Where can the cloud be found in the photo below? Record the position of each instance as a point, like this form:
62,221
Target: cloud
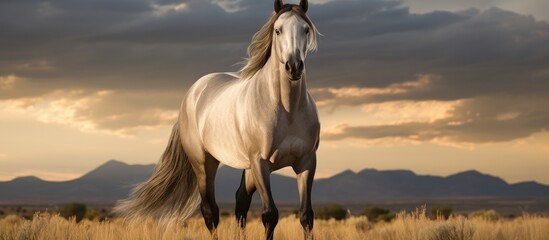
333,97
7,82
371,55
120,113
365,43
231,6
538,8
398,112
42,174
161,10
478,120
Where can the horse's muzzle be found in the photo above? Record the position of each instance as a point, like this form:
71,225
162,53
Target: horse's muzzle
294,69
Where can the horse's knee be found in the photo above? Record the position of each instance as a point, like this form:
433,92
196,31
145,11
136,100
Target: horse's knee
270,217
307,219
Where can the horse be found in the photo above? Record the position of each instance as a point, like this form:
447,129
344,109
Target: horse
259,120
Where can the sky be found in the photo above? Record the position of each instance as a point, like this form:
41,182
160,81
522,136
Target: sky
434,86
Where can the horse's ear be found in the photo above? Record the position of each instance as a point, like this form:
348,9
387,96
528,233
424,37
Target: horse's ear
304,5
278,5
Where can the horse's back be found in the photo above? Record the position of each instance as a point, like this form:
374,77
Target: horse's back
212,84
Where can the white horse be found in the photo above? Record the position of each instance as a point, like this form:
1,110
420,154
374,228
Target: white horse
260,121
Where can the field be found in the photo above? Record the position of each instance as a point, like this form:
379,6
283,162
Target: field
415,225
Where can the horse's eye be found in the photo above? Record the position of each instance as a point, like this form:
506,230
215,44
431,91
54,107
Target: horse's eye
307,31
277,32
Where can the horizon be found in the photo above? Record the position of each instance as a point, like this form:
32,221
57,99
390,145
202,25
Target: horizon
275,172
436,87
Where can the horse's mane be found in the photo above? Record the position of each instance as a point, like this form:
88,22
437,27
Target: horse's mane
259,50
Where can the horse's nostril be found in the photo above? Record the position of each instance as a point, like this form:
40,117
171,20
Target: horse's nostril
300,65
287,65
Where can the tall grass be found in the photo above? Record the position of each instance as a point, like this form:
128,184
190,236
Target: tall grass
405,226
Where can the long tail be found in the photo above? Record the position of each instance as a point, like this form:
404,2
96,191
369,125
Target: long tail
171,194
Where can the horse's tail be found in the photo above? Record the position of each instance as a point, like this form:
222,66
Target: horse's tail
171,193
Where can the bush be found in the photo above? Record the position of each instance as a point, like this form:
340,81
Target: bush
76,210
375,214
448,230
331,211
91,214
489,215
361,223
440,211
12,220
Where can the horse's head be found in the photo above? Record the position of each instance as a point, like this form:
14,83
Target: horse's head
288,36
293,36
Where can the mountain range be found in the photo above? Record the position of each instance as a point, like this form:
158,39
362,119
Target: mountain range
114,179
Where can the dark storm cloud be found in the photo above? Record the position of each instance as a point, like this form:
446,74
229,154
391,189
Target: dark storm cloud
154,46
364,42
101,45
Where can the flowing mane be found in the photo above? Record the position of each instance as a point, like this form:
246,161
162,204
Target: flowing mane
259,50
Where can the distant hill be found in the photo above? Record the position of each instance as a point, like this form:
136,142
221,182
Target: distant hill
107,183
113,180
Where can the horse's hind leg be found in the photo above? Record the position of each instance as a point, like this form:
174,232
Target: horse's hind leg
205,175
244,197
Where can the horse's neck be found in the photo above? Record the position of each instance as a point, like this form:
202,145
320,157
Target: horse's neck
275,86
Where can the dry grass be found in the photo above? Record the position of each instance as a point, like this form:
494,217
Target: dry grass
405,226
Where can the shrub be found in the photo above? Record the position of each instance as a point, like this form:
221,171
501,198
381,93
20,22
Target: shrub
489,215
440,211
91,214
76,210
375,214
12,220
448,230
361,223
331,211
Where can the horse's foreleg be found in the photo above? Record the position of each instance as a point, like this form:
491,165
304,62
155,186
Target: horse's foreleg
261,172
305,170
244,197
206,180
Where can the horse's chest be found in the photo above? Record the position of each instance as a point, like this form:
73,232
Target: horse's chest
288,151
292,140
291,143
